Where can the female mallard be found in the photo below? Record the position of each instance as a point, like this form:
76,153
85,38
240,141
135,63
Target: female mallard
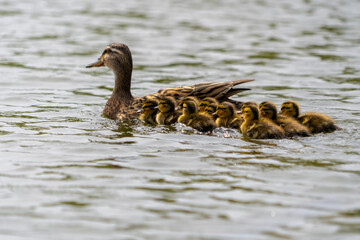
227,116
254,127
167,114
291,127
191,118
122,105
315,122
148,111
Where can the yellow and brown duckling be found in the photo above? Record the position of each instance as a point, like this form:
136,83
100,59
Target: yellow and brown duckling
206,102
315,122
211,111
227,116
249,103
254,127
167,114
148,111
122,105
291,127
246,104
192,118
186,99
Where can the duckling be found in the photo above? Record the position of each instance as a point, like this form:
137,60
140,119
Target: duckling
227,116
315,122
167,114
188,98
211,111
206,102
192,118
149,111
122,105
289,125
254,127
249,103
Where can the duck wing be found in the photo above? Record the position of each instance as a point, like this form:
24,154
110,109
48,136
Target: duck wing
219,90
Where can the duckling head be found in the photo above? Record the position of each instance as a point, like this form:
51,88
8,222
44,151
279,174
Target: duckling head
211,109
149,107
290,109
225,110
167,104
206,102
250,113
249,103
189,107
268,110
186,99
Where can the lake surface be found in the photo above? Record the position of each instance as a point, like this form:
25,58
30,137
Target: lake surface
66,172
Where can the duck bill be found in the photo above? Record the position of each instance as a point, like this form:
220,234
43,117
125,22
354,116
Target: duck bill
99,63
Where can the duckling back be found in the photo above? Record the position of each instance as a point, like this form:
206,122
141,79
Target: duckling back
292,128
264,129
318,122
202,123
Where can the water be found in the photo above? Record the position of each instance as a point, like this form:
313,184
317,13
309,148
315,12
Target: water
67,172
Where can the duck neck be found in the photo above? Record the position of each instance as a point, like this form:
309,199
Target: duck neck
121,95
122,86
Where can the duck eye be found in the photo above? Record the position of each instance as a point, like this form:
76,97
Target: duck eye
108,50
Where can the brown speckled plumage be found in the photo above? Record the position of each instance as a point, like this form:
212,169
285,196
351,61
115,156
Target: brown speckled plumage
122,105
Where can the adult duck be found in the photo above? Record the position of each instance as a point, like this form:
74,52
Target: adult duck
122,105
